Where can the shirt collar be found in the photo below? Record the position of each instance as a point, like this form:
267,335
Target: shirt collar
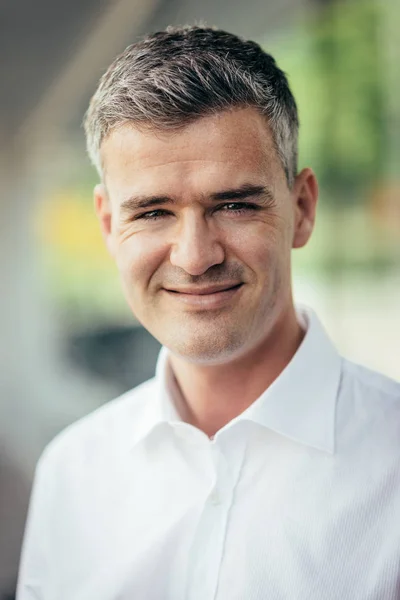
159,409
300,404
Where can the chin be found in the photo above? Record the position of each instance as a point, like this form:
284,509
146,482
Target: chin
207,349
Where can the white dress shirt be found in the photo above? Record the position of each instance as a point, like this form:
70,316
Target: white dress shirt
298,498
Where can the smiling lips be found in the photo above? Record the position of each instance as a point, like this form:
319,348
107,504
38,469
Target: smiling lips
214,296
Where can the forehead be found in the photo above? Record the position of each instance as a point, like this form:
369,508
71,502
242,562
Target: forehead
226,148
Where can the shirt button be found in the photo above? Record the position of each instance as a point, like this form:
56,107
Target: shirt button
214,498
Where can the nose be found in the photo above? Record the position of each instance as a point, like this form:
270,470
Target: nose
196,247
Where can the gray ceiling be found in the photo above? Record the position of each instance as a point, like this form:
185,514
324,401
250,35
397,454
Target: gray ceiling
38,37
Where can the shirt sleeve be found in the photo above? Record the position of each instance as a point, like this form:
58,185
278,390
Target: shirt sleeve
33,564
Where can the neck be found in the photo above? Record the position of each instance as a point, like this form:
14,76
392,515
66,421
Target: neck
211,396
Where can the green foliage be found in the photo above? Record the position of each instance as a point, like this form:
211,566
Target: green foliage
342,65
336,65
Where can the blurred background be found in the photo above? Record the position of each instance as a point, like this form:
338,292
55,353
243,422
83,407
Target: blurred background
68,343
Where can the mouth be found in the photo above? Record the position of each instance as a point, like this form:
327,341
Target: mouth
210,297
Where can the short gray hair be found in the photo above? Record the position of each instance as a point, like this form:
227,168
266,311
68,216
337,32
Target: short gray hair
176,76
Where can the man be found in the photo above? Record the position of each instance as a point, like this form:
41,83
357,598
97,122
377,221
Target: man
257,464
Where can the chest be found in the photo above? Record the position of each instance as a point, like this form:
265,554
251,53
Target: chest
212,524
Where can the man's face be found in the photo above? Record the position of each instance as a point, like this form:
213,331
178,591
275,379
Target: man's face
201,224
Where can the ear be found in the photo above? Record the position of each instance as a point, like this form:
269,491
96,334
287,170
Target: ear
305,197
102,208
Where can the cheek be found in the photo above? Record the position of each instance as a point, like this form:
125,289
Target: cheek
258,249
267,254
137,257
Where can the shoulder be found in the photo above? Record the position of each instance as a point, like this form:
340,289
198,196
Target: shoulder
369,408
107,430
372,384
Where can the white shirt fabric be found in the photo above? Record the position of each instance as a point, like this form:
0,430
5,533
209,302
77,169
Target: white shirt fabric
298,498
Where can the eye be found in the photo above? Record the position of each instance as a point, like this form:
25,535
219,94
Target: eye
152,215
238,207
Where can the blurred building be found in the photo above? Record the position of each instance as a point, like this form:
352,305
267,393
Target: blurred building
68,343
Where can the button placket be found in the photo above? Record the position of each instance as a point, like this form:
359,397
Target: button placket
208,543
222,491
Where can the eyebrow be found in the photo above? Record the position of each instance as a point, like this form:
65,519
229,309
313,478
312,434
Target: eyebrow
241,193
